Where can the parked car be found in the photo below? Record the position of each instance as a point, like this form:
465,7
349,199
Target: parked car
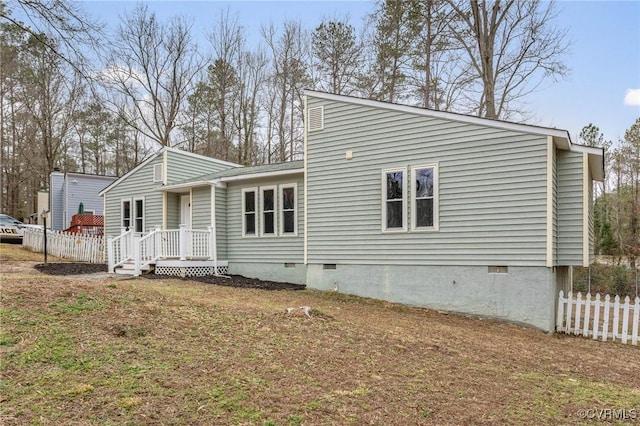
12,230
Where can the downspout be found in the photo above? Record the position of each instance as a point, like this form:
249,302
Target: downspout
304,154
214,231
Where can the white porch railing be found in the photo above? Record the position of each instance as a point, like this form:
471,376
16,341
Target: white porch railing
158,244
119,249
608,318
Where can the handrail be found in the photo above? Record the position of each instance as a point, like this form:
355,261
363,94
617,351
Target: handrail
146,249
119,249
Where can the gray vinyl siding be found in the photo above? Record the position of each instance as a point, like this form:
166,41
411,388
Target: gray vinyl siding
555,207
570,214
173,210
221,222
263,249
137,185
186,165
201,215
492,190
591,231
201,207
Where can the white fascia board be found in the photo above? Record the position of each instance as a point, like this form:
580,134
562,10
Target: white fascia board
194,155
185,185
470,119
596,160
262,175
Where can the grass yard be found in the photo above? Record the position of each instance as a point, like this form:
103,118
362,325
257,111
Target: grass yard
95,351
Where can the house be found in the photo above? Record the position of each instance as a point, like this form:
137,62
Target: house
68,190
392,202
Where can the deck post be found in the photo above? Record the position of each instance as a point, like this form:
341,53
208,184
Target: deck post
213,249
183,241
157,246
110,255
136,255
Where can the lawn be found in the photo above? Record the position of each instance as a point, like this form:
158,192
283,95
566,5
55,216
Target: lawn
84,351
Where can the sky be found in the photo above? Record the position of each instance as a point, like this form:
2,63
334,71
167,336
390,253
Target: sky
603,87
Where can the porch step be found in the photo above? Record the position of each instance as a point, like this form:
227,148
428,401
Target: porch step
127,268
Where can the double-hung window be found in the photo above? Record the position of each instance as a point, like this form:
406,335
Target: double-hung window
268,206
394,200
126,214
424,197
138,212
421,204
249,204
288,212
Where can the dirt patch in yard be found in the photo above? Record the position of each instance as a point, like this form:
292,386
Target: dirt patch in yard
79,351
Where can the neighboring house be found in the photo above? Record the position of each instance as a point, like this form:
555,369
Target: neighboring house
68,190
393,202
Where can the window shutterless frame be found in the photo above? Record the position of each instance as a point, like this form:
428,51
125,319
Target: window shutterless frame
268,211
424,197
288,194
138,215
125,213
394,200
249,212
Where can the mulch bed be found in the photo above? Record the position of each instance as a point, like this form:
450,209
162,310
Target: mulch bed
70,268
236,281
78,268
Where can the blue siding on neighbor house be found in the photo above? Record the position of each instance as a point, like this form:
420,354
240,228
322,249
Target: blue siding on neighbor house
492,189
56,201
68,190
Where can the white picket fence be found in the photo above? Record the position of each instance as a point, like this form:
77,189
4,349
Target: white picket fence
604,318
69,246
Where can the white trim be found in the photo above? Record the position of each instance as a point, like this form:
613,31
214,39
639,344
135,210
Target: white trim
253,189
224,180
213,206
165,167
281,187
585,209
436,203
505,125
273,188
549,245
262,175
383,198
305,250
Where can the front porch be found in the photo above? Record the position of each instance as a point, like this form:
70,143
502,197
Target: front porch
179,252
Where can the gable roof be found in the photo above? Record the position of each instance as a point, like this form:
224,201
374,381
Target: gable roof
159,153
561,137
244,173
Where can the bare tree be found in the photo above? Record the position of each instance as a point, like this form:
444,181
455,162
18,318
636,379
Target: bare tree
154,66
62,27
289,61
512,46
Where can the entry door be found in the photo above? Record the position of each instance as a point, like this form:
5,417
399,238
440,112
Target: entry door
185,210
